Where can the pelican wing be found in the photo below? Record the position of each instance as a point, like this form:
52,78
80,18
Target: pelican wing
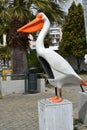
58,63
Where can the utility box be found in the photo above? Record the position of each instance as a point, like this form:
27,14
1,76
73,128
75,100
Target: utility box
55,116
41,85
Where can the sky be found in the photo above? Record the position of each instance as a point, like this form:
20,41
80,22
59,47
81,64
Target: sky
78,1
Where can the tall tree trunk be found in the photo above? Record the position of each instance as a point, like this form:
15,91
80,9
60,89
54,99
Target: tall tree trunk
19,60
18,43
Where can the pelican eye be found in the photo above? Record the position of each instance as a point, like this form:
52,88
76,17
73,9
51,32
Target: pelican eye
39,16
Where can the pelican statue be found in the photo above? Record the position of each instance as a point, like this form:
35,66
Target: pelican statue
59,71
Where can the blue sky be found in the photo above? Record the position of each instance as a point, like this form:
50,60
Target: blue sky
79,1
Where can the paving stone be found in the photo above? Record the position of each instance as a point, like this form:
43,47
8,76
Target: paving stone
20,111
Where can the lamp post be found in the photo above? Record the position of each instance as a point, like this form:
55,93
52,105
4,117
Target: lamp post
85,19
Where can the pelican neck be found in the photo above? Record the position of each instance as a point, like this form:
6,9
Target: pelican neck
42,34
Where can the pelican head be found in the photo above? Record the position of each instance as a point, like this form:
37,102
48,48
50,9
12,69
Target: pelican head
35,25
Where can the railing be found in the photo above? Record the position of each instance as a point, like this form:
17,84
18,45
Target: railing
10,76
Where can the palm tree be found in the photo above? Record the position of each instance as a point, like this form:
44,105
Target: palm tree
19,12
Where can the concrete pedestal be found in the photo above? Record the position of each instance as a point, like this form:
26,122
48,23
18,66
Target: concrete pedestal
82,106
55,116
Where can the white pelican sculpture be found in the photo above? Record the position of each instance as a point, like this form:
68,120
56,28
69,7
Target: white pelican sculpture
57,68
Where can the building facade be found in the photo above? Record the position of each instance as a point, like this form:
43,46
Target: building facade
55,33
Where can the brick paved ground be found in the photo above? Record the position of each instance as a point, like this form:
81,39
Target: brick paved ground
20,112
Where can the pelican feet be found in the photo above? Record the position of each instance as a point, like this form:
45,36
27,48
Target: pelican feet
55,99
84,83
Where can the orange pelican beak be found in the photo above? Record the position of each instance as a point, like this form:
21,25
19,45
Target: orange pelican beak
33,26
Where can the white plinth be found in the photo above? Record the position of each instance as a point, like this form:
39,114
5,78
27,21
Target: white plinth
55,116
82,106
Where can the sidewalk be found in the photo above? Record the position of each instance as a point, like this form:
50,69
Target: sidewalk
20,111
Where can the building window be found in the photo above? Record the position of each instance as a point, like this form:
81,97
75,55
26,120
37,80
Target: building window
54,30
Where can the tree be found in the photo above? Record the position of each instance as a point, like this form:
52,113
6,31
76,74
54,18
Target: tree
33,61
73,40
20,13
